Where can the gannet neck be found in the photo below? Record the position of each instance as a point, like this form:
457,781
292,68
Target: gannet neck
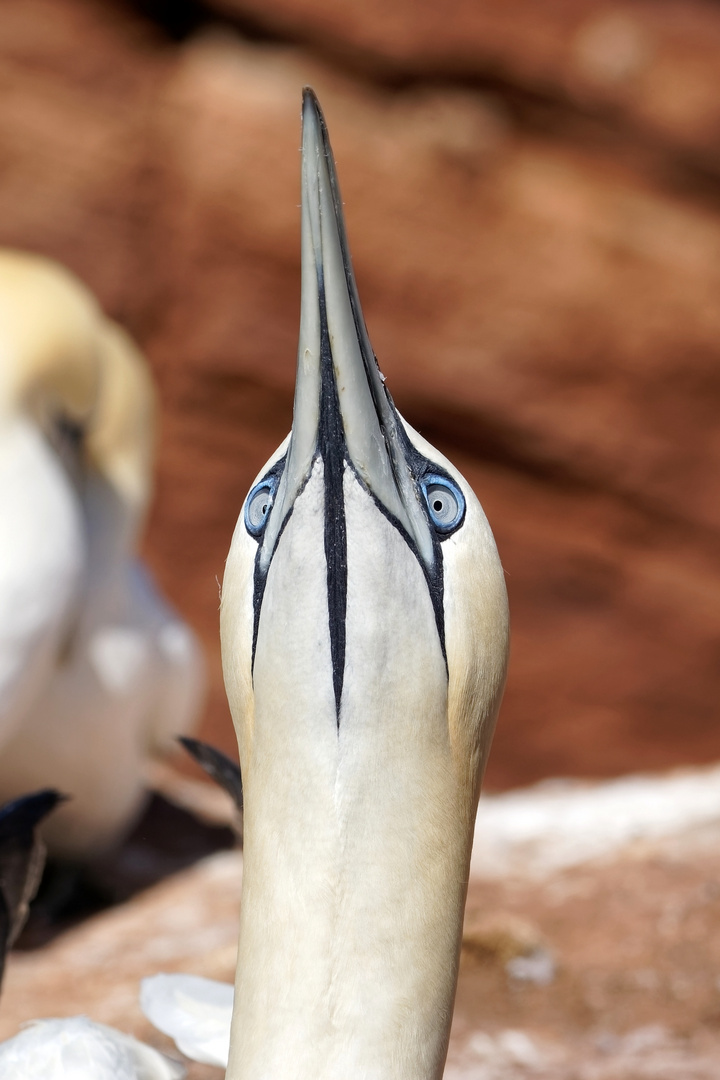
121,436
39,582
364,635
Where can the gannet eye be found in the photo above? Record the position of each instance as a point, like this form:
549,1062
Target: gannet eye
258,505
445,502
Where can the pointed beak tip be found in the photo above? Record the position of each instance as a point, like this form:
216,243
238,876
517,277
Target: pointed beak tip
311,112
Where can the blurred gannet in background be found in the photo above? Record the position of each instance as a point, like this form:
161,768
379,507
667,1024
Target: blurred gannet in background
364,632
97,673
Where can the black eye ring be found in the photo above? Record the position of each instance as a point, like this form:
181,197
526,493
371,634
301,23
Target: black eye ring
258,505
445,502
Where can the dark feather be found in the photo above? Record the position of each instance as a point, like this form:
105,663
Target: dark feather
22,857
219,766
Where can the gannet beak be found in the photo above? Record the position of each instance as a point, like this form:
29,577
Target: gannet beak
342,408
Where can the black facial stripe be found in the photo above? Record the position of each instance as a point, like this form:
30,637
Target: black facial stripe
331,445
419,465
331,448
260,575
434,577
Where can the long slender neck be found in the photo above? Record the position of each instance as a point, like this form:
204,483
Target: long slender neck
347,961
356,832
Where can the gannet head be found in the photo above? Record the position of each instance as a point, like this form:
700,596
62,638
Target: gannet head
49,323
359,545
77,379
364,635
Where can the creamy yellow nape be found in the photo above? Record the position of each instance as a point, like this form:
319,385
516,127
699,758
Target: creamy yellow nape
364,633
97,674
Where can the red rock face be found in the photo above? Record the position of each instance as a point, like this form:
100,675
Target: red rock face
539,269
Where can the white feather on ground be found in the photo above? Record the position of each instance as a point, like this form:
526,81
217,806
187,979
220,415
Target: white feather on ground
78,1049
193,1011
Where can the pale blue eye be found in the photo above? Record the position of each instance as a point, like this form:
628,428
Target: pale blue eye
258,505
445,502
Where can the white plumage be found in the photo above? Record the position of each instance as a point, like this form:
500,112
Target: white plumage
78,1049
97,673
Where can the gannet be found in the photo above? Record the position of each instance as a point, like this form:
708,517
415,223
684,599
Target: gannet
97,673
364,633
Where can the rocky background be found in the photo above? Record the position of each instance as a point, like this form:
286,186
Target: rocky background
533,202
